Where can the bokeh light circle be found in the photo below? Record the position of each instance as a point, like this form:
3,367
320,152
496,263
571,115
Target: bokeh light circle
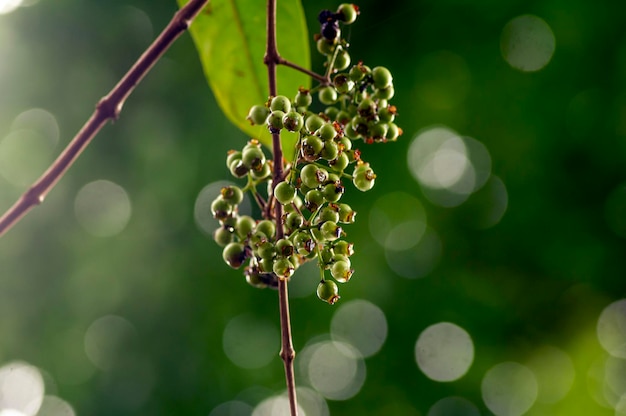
55,406
334,369
527,43
444,352
417,261
397,221
24,156
105,340
7,6
21,388
250,342
447,166
232,408
611,329
554,371
102,208
509,389
362,324
453,406
275,406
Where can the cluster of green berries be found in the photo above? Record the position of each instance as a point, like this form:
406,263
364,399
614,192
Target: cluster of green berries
313,184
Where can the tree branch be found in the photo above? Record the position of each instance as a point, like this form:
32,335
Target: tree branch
108,108
287,352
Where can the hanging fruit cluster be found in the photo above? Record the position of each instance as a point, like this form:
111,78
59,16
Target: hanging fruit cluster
356,101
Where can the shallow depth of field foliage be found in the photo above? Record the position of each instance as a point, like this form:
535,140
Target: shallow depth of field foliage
499,217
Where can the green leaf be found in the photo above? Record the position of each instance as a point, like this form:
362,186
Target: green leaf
230,36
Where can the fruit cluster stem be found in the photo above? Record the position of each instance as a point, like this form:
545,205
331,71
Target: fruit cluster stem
287,352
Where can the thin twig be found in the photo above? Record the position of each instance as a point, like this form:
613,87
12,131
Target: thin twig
287,352
322,79
108,108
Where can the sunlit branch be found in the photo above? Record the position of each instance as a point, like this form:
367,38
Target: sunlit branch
108,108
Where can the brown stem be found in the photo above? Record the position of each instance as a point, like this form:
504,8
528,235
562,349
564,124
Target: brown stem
287,352
108,108
322,79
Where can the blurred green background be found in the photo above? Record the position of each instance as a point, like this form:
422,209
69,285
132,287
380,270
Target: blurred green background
495,234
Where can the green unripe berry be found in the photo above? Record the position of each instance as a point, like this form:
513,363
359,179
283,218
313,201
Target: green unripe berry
258,114
265,249
284,193
350,133
313,122
253,157
358,72
367,108
392,132
221,209
245,226
293,121
330,231
303,98
266,265
333,191
283,268
254,279
284,247
346,214
359,124
330,150
313,176
238,169
232,194
341,271
386,114
313,200
327,95
328,213
348,12
378,131
262,172
343,84
223,236
232,156
382,77
343,117
325,47
385,93
234,255
280,103
342,60
344,248
331,113
311,147
363,177
275,121
267,227
293,221
327,132
340,163
328,291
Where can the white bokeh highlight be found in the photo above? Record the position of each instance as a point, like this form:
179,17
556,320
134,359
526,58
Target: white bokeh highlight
105,339
334,369
444,352
55,406
21,388
527,43
453,406
362,324
250,342
509,389
611,329
102,208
